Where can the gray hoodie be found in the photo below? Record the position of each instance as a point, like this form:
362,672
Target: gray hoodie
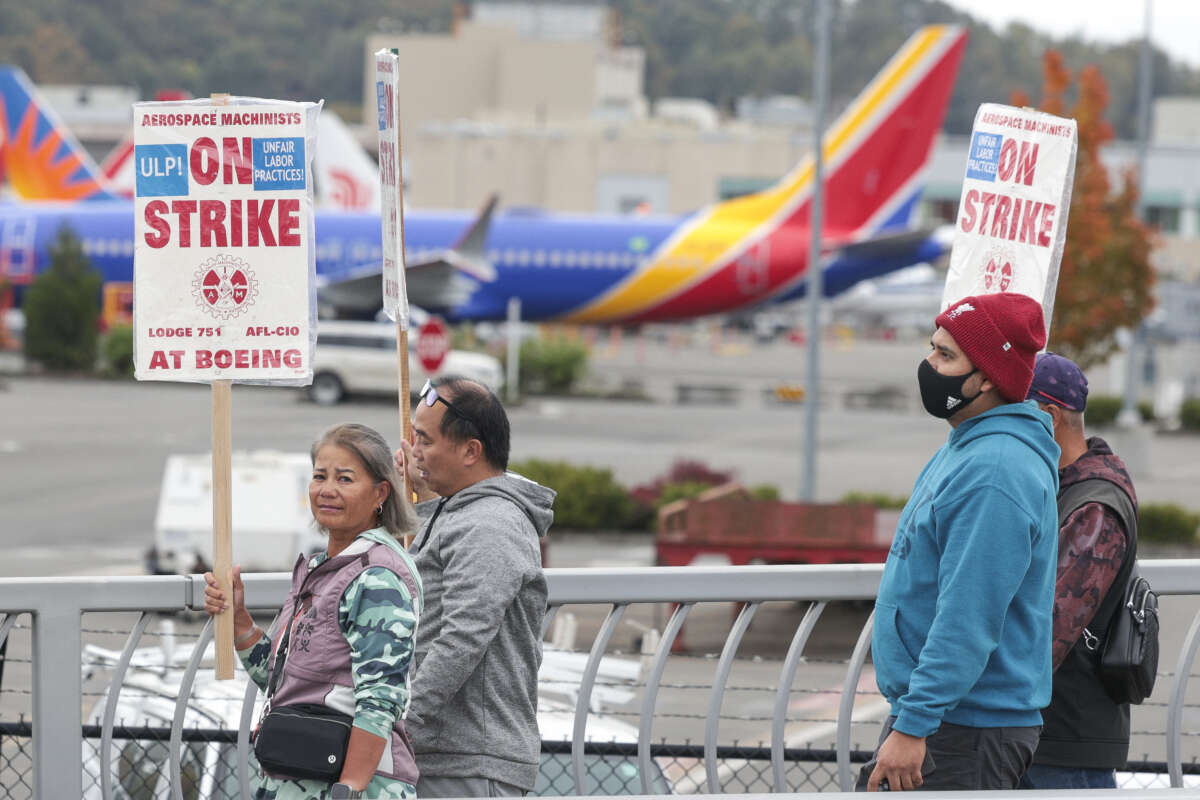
479,644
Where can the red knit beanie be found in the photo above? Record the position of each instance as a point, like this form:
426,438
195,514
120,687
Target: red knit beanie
1001,334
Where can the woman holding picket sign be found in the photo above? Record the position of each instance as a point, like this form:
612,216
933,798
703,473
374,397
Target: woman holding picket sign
335,667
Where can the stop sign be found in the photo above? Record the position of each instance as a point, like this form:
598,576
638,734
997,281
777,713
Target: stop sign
433,342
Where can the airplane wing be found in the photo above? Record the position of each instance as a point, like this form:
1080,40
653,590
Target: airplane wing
851,262
888,243
438,281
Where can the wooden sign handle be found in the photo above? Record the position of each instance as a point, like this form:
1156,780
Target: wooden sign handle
405,404
222,479
222,496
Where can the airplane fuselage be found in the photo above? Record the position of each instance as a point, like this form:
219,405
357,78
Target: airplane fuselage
526,248
555,263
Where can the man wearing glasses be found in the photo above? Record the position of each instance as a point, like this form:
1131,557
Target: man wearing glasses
473,718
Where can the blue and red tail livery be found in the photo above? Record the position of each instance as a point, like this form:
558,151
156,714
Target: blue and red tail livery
576,268
43,161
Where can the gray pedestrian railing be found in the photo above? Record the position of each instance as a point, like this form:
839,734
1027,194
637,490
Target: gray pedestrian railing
56,606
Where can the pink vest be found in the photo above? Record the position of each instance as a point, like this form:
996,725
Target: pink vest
317,667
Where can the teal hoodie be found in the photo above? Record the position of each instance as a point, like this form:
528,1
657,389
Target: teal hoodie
963,616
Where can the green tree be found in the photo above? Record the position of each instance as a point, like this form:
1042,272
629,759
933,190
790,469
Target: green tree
1105,281
62,307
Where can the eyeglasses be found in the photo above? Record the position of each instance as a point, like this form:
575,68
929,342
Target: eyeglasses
429,394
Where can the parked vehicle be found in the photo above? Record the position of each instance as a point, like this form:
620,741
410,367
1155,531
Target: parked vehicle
353,357
209,769
270,513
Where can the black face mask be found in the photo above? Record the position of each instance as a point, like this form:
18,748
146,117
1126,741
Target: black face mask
942,394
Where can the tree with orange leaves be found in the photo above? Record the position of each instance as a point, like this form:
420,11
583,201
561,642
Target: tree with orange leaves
1105,281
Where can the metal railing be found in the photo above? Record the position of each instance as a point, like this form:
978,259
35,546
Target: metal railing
56,606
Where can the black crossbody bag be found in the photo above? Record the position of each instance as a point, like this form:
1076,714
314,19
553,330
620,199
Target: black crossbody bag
1129,653
303,740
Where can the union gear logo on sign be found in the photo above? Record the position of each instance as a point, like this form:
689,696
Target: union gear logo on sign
224,286
998,274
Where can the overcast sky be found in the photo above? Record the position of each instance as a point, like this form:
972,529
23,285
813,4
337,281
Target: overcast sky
1174,27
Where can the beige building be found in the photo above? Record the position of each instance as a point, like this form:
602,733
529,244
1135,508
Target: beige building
535,103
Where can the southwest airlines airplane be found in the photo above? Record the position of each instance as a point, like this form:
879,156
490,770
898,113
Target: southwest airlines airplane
730,256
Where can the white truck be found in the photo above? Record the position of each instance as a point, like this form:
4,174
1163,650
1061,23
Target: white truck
272,522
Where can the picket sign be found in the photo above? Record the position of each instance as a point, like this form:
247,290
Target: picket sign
1012,216
391,186
224,267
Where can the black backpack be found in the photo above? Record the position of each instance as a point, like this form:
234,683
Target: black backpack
1127,652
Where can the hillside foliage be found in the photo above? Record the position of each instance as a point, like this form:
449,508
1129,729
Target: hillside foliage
713,49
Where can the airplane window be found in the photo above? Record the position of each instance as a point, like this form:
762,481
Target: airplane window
539,258
523,257
584,258
555,258
569,258
510,256
493,255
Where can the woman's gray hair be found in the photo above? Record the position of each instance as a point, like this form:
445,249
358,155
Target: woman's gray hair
397,516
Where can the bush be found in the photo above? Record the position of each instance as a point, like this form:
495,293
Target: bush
764,491
1167,523
877,499
1146,411
116,351
680,491
681,472
62,307
1189,414
552,365
588,498
1102,409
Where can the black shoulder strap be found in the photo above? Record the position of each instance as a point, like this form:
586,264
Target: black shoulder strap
419,542
1107,493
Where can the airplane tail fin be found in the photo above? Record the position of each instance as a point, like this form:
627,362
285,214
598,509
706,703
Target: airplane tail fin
347,178
877,151
754,248
43,159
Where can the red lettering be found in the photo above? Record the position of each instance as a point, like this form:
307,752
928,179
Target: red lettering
241,359
1047,223
1029,216
1016,219
988,200
1000,218
203,161
1026,163
223,359
270,359
1008,160
291,358
259,223
235,223
203,359
289,222
212,223
967,223
242,161
154,209
176,359
184,209
158,360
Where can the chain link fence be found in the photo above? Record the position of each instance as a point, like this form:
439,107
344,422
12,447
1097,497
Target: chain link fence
208,766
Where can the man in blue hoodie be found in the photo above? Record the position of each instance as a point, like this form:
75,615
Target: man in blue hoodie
962,626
